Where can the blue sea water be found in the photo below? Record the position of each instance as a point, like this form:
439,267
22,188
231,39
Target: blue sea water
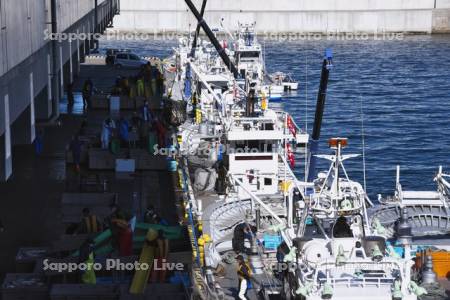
399,88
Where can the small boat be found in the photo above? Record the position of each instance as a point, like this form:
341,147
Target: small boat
285,80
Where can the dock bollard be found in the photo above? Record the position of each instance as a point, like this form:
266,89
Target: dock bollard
105,185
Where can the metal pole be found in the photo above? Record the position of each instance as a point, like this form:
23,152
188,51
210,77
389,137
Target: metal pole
55,85
197,30
320,107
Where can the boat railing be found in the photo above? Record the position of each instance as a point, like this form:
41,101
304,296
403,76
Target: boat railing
362,282
282,115
290,173
443,187
237,123
384,267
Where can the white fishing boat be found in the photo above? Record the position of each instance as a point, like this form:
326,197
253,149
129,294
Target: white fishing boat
337,254
426,213
236,167
285,80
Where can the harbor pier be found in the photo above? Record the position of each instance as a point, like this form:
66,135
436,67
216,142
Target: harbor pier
42,46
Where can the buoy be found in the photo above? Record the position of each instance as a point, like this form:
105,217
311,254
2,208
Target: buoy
207,238
264,102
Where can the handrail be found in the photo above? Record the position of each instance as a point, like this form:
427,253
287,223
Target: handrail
299,129
291,173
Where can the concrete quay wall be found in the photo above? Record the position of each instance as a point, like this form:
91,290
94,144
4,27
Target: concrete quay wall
324,16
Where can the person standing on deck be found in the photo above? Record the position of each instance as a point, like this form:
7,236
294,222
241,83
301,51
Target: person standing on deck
105,136
70,98
110,222
88,89
107,129
140,87
161,133
121,231
75,147
39,141
89,223
124,128
146,114
87,257
162,252
244,274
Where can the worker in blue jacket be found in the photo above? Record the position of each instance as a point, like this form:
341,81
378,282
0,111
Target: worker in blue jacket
124,128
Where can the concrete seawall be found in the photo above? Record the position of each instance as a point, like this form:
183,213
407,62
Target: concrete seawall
306,16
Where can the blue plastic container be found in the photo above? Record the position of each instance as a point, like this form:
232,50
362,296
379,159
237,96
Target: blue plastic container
172,165
272,241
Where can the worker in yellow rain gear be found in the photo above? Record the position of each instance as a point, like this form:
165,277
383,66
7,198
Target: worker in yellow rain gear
140,87
89,223
87,257
244,273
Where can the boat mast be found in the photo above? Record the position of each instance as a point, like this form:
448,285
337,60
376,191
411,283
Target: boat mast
225,58
197,30
320,106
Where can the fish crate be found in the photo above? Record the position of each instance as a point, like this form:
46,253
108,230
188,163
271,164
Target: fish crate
127,103
100,101
271,242
27,256
24,286
100,159
139,101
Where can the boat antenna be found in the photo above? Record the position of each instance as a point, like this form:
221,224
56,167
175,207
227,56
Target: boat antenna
264,54
306,112
306,92
226,29
363,143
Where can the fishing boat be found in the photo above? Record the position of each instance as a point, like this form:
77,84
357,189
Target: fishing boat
337,254
285,80
236,160
426,214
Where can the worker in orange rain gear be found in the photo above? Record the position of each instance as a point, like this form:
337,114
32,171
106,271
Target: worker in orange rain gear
162,252
89,223
244,273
